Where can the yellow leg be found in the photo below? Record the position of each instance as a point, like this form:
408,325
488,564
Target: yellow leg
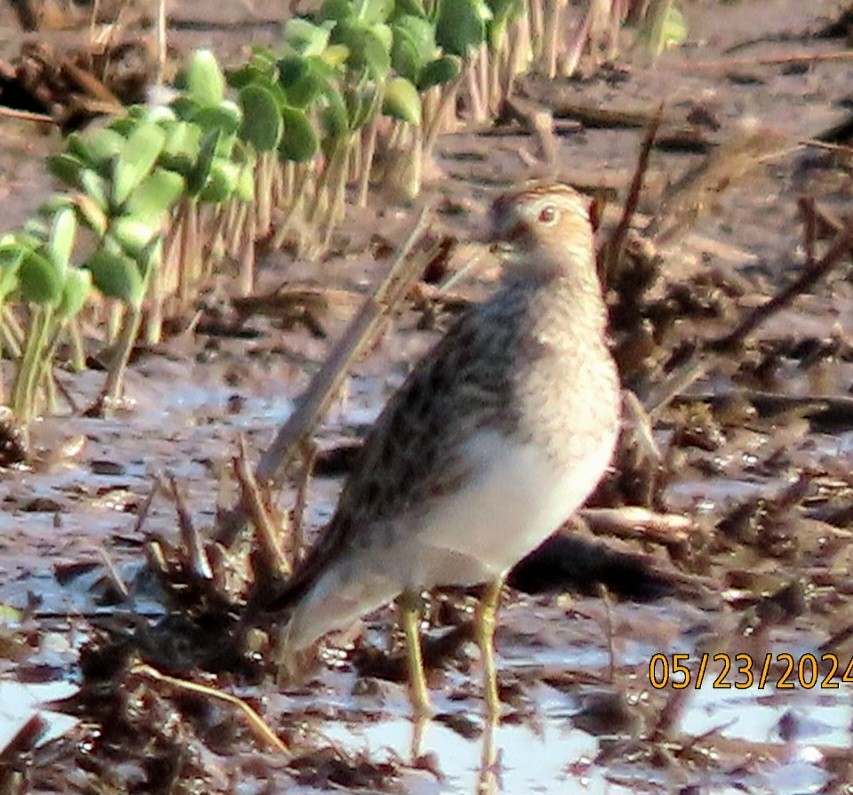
486,641
410,614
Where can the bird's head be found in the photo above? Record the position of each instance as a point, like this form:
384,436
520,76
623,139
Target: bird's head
543,221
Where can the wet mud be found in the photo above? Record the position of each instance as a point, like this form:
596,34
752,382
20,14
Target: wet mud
732,576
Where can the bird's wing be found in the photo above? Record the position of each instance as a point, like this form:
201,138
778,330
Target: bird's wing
415,451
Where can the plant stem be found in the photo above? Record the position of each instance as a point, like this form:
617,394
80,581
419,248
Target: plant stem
247,260
115,318
11,333
26,381
78,352
366,163
114,385
263,193
335,208
437,124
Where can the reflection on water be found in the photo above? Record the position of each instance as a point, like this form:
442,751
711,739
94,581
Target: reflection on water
762,715
509,758
549,755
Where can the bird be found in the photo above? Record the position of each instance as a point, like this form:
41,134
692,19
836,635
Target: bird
496,437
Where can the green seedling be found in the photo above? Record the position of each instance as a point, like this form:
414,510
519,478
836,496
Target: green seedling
37,266
461,26
136,160
203,79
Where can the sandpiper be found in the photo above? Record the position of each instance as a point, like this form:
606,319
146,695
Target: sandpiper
495,439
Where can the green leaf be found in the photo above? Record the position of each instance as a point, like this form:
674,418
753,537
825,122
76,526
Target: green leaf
291,70
303,79
125,125
54,204
413,45
246,183
368,11
674,28
415,7
334,114
504,13
36,230
11,256
663,27
95,187
150,259
262,124
103,146
91,214
222,183
132,234
136,160
359,104
203,78
22,239
156,195
77,146
368,50
304,37
225,145
117,276
63,234
182,147
10,615
39,280
259,68
384,34
185,107
78,283
299,142
334,56
336,11
402,101
164,115
404,58
66,168
197,177
375,11
461,26
226,117
440,71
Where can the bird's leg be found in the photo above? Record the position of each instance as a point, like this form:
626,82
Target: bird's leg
486,642
409,606
419,725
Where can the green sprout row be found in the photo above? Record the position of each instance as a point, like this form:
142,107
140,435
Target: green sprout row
163,198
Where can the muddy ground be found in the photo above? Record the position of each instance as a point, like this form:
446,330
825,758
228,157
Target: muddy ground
762,475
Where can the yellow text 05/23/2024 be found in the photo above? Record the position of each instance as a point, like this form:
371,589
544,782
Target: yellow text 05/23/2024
781,671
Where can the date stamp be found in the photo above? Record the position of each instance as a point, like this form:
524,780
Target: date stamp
741,671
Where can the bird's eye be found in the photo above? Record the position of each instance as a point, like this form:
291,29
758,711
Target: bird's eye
548,214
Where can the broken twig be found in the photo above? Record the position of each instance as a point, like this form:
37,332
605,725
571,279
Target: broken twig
256,722
320,393
255,508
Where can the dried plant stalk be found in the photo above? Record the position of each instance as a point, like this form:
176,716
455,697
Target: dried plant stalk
316,399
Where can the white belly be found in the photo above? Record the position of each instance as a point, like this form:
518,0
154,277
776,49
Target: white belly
518,498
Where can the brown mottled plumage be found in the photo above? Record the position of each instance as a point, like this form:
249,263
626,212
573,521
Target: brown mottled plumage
496,437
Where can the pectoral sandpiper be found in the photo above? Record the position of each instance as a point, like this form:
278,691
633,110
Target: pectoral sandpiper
497,436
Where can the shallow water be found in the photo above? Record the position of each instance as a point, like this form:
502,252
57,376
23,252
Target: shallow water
538,748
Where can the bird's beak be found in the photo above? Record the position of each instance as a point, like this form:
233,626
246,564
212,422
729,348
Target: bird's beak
506,237
501,248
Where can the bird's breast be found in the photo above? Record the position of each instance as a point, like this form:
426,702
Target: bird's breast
517,496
